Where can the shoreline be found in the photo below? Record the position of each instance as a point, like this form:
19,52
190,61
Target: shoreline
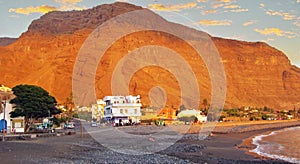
230,147
247,143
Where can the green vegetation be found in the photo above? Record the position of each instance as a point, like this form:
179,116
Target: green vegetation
58,121
69,106
32,102
85,115
255,113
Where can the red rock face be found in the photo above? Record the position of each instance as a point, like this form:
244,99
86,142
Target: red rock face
257,75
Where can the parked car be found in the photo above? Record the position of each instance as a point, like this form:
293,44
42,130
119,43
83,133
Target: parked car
94,124
70,126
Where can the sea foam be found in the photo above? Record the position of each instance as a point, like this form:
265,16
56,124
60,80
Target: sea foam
264,148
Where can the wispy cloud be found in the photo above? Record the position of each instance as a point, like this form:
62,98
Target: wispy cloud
268,40
64,5
217,5
231,7
202,0
284,15
297,23
14,16
224,6
205,12
177,7
69,4
275,31
224,1
249,23
215,22
28,10
239,10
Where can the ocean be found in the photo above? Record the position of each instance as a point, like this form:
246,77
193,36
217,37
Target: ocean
283,144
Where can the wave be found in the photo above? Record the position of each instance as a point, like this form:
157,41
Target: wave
263,147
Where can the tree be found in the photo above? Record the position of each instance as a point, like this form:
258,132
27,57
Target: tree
206,106
32,102
69,106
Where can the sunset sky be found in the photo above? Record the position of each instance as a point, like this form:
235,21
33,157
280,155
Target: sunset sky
276,22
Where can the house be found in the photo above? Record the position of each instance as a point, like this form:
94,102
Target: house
188,113
7,123
121,110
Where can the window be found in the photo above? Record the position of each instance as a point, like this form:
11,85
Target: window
126,111
135,111
121,111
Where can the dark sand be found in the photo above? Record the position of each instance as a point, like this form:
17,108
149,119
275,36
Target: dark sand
219,148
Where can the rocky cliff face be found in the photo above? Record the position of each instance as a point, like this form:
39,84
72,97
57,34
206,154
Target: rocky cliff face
257,75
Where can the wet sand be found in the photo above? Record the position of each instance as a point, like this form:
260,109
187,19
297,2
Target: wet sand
228,144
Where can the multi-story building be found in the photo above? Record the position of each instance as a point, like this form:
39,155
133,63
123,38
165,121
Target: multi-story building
121,110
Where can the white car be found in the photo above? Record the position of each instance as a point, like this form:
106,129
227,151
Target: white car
94,124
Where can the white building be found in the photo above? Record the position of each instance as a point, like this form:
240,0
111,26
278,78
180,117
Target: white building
122,109
193,112
6,122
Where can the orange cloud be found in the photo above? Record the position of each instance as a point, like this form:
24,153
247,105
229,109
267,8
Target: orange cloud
232,7
284,15
217,5
202,0
28,10
215,22
275,31
64,5
178,7
208,12
225,1
249,23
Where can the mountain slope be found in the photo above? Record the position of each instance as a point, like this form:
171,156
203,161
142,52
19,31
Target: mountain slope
257,75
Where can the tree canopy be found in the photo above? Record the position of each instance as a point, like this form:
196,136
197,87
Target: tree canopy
32,102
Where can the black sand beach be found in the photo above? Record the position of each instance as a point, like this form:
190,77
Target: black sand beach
219,148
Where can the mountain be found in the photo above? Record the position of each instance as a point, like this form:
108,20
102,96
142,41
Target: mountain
7,41
257,74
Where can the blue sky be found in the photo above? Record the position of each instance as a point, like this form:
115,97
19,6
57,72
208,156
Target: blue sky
276,22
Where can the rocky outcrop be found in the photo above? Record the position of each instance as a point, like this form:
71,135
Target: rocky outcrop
257,75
